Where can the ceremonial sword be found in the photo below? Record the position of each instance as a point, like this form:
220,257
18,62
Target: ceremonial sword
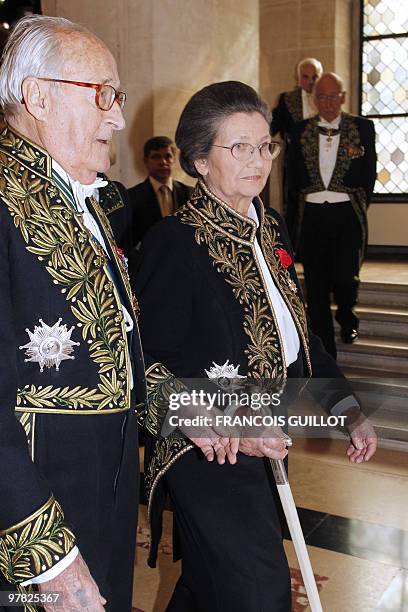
292,519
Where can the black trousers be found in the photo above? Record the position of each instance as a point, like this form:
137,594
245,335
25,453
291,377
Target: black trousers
230,536
92,465
330,247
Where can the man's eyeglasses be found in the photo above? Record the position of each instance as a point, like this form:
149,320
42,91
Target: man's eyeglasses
243,151
330,97
105,95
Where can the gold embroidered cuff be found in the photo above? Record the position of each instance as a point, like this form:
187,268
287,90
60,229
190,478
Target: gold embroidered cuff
161,383
36,544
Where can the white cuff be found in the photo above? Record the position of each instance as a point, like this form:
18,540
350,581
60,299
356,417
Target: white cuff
55,570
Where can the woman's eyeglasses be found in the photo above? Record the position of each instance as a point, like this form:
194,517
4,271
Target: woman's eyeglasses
243,151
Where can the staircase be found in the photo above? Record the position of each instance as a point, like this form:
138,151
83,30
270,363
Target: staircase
383,341
377,363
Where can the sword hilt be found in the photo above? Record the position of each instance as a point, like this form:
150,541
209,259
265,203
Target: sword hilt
278,467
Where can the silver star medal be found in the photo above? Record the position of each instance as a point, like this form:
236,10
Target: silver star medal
224,373
49,345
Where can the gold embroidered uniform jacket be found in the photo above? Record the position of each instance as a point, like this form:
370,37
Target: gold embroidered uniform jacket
354,172
203,299
52,269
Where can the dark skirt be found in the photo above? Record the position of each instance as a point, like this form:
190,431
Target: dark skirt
91,463
230,537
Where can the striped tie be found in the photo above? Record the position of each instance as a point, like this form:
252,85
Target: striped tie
65,188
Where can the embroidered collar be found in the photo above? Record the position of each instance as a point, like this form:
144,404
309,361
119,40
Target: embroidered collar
34,156
226,219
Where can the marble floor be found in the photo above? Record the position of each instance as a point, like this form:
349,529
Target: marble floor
385,272
355,522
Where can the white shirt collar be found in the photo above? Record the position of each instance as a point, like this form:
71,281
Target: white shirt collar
156,184
60,171
306,95
79,190
252,214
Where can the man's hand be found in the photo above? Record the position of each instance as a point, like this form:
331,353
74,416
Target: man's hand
220,447
78,590
214,441
362,437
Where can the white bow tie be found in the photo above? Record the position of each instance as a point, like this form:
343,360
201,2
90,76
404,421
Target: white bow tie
332,126
81,192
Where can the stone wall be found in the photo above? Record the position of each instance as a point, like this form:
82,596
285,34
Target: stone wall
166,50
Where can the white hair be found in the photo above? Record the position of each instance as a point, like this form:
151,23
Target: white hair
309,61
34,48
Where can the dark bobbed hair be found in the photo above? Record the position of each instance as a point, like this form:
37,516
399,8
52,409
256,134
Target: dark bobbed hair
156,143
205,111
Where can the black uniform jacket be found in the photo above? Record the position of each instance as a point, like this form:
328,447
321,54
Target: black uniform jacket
287,112
59,307
203,299
114,200
354,172
145,208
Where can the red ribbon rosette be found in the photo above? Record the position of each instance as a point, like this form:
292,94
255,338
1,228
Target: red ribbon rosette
285,258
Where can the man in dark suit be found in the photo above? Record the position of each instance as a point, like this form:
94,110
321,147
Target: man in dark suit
159,195
332,171
294,106
72,370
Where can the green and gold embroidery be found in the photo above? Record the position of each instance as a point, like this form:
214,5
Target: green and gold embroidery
166,453
56,235
229,239
160,383
271,241
293,101
27,420
349,140
36,544
119,261
110,199
348,144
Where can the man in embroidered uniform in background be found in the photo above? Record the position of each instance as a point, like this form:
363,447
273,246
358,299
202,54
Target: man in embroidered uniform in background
332,171
72,368
159,194
294,106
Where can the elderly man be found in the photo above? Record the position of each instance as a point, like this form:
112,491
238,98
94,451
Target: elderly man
294,106
298,104
332,171
72,367
159,194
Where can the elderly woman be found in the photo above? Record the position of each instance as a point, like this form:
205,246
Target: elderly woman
217,287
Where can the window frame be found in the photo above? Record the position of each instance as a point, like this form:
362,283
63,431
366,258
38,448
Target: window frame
394,198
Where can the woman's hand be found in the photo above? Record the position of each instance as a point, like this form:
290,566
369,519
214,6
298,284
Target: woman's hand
273,445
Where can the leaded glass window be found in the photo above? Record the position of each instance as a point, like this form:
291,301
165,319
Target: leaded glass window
384,89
